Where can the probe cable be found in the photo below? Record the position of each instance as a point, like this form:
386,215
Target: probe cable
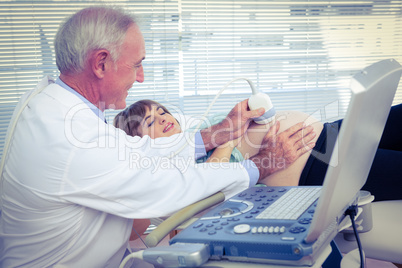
210,107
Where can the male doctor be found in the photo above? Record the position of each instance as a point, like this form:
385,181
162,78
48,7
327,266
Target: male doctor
72,184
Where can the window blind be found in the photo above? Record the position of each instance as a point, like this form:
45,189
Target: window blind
302,53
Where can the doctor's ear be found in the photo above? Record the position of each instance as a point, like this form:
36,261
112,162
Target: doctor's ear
100,62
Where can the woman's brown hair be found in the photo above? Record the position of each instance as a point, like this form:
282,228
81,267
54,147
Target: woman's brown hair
130,118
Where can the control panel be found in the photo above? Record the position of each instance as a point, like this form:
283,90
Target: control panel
252,226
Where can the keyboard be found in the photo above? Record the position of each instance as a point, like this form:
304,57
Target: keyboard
291,205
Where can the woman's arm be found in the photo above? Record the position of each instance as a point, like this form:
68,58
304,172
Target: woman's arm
223,152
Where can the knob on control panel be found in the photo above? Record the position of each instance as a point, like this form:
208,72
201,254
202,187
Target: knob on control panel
241,228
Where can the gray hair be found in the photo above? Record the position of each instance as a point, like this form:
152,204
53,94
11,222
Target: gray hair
87,30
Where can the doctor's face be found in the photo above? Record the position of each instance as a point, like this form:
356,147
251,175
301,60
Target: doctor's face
158,123
128,69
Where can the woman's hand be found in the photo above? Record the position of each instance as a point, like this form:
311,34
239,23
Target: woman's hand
223,152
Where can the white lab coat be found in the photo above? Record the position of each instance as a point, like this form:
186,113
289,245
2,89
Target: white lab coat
72,184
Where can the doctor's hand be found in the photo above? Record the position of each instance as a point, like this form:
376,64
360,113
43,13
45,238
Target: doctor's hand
232,127
239,118
279,151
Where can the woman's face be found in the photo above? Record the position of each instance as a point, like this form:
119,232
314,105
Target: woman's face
157,123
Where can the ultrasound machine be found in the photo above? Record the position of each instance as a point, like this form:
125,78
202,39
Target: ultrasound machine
288,226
